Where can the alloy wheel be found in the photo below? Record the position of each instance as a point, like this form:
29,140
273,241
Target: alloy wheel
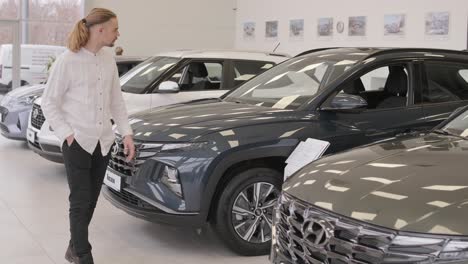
252,212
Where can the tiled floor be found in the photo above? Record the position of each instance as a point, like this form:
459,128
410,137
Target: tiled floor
34,222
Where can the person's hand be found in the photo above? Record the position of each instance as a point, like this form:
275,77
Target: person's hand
70,139
129,148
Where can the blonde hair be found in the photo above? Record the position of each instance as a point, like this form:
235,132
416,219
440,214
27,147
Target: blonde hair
80,33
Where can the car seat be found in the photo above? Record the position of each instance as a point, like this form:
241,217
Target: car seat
396,88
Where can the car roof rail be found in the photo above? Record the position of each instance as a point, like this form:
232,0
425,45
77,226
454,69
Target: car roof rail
383,51
314,50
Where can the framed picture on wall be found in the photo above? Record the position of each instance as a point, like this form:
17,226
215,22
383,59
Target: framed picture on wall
394,25
271,30
357,26
296,29
437,23
325,27
249,30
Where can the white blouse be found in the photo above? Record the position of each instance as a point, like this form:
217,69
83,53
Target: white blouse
82,95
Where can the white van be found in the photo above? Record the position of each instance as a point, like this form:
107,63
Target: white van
34,60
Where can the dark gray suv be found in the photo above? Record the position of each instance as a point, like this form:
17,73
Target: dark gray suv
400,201
222,160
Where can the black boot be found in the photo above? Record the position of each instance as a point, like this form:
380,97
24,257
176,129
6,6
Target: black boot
70,255
85,259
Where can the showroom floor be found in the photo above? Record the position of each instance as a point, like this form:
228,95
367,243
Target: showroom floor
34,222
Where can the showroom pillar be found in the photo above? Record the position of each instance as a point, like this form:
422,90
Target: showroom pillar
24,24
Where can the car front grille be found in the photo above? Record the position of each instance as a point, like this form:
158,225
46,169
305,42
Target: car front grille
131,199
306,234
118,161
4,112
37,117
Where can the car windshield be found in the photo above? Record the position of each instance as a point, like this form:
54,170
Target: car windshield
139,78
459,125
293,83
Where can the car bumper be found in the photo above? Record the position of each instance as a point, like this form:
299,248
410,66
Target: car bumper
14,123
134,206
48,149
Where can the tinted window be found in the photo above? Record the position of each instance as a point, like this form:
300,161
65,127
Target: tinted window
199,76
458,125
124,67
246,70
145,73
293,83
446,82
381,88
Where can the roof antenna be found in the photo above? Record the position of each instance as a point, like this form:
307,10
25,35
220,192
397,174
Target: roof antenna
276,47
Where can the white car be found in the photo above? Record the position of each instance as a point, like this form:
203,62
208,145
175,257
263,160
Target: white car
165,79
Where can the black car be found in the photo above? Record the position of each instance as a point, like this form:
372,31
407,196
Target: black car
222,160
399,201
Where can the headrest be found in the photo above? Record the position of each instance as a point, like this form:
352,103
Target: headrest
354,87
397,81
198,69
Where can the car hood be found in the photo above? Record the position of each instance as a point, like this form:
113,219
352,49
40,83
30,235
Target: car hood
415,185
26,90
188,121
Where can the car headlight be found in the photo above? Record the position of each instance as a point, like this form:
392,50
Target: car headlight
22,101
184,146
455,250
444,250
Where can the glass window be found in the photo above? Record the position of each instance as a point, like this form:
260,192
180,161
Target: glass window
446,82
48,33
201,76
245,70
293,83
143,75
53,10
459,125
381,88
9,9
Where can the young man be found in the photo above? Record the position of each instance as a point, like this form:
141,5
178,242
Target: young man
82,96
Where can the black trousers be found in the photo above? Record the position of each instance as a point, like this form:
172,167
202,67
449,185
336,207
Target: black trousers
85,175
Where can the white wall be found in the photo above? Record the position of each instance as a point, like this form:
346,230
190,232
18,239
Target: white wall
148,27
260,11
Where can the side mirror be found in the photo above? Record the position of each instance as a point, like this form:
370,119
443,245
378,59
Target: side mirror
346,102
168,87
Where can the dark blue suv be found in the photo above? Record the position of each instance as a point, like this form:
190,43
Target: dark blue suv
222,160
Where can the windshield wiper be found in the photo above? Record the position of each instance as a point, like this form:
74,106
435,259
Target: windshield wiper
447,133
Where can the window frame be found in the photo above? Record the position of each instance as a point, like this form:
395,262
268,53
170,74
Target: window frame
412,85
183,66
425,79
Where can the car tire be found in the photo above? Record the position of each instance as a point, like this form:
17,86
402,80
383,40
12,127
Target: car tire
252,238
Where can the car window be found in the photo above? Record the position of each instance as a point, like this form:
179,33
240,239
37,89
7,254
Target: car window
124,67
294,83
459,125
199,75
446,82
245,70
144,74
382,88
